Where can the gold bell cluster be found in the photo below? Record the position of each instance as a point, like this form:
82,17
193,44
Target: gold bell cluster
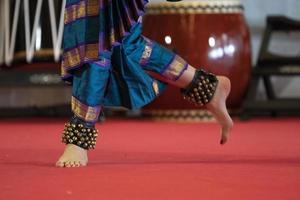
201,90
80,135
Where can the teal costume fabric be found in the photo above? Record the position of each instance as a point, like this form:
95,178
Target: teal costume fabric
107,60
124,82
93,27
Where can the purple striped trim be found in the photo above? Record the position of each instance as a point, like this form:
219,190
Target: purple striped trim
117,40
80,44
180,74
78,56
77,19
105,43
80,10
70,4
85,112
65,72
175,68
103,62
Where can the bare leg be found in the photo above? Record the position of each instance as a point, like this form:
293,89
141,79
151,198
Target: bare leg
217,105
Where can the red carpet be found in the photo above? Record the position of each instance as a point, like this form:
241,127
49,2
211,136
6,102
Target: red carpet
138,160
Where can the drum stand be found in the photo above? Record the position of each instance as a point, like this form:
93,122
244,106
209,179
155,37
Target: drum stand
268,65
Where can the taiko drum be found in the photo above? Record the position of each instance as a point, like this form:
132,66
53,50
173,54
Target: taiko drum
209,34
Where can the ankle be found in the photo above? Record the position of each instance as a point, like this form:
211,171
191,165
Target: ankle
201,89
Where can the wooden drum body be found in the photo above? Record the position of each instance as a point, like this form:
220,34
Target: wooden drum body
209,34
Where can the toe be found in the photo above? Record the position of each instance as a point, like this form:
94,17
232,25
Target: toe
223,140
225,134
68,164
72,164
76,164
59,164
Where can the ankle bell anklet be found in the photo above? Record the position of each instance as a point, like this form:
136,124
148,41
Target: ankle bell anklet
202,88
80,135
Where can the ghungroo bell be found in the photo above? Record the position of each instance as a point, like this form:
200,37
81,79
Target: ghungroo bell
80,135
202,88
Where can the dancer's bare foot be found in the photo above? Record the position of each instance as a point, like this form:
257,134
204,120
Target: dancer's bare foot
73,156
218,107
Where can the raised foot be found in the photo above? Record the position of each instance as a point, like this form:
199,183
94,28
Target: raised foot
73,156
217,106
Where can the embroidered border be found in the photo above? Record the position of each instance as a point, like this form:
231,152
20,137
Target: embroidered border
147,52
87,113
175,69
78,55
80,10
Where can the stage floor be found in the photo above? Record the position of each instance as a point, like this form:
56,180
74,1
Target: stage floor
137,160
